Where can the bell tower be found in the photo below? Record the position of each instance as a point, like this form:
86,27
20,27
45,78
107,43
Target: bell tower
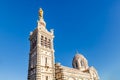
41,56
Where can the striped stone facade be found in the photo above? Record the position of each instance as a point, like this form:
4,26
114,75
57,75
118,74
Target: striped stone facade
42,61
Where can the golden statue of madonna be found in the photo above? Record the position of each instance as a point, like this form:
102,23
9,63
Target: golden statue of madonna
41,13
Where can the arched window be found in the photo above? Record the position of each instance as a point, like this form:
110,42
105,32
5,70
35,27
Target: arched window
76,65
46,77
42,40
46,61
82,63
45,42
49,43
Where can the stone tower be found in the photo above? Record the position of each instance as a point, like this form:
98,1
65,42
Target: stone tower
41,56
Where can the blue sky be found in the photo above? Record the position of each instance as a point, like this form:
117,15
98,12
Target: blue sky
91,27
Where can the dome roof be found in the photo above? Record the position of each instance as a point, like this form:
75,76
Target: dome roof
79,56
80,62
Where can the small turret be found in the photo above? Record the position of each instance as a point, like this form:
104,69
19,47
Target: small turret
80,62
